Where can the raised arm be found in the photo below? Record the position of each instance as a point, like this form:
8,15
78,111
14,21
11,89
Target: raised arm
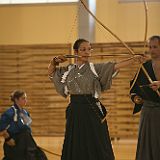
127,62
53,63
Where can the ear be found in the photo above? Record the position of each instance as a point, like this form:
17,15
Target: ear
16,100
76,52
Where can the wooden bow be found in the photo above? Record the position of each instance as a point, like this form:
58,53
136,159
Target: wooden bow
107,28
124,44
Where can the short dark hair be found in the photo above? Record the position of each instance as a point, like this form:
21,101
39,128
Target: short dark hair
78,42
155,37
16,94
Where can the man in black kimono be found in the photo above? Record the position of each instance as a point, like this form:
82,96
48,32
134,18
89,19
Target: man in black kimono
145,93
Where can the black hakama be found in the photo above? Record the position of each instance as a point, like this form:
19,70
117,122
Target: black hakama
86,138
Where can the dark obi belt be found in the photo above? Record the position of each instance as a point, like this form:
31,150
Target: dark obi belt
83,98
93,103
151,104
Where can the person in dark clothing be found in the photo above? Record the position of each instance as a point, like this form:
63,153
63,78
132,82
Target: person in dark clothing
15,128
87,135
145,93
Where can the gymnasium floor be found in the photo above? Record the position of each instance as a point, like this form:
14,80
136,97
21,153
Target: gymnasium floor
124,149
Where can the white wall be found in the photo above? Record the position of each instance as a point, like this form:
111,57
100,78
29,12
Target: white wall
127,20
55,23
37,24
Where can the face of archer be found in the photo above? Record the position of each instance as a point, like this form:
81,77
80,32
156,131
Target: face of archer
154,48
84,51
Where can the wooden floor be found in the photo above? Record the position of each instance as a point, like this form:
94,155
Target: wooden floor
123,149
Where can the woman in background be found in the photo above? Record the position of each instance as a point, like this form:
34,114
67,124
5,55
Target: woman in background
15,128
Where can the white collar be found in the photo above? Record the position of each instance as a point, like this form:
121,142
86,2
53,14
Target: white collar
79,67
